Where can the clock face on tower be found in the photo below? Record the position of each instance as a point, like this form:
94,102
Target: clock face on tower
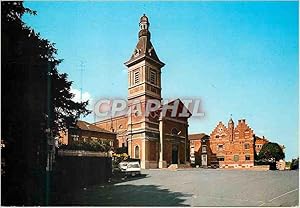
220,129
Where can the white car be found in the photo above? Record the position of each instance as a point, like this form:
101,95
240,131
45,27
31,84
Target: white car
123,166
132,168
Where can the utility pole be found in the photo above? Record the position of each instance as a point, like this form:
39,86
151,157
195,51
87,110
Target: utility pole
81,69
48,138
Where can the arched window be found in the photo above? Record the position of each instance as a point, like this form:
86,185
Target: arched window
137,152
175,131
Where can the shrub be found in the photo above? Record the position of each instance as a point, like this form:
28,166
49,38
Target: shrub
94,146
295,164
121,150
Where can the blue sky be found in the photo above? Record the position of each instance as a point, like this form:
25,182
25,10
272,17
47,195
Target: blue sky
240,58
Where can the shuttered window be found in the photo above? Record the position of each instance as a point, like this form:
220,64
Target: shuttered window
152,77
136,77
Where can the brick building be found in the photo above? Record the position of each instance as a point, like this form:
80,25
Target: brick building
233,146
118,125
158,141
84,131
259,142
200,152
227,146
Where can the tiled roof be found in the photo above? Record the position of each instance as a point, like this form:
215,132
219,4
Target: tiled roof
122,116
197,136
83,125
181,105
261,138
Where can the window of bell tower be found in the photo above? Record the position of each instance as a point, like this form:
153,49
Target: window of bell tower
136,77
152,77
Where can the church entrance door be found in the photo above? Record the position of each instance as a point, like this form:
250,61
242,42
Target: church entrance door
175,154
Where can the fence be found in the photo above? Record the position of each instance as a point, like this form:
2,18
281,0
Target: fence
78,169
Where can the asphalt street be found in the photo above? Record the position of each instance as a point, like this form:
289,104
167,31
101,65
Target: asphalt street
195,187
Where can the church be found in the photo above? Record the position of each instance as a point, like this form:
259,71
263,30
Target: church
158,141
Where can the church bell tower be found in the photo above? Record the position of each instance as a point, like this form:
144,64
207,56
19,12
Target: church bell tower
144,83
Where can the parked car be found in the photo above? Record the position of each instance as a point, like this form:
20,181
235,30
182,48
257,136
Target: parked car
132,168
123,165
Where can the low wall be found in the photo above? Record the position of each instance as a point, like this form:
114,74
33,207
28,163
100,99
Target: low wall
78,169
80,153
258,168
262,167
237,165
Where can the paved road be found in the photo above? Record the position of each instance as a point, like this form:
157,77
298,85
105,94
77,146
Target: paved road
196,187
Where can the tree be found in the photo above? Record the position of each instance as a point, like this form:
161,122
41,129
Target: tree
36,100
271,152
295,164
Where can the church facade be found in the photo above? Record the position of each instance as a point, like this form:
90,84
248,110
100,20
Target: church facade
158,140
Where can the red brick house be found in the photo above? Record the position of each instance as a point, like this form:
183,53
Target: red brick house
84,131
259,142
228,146
200,151
233,145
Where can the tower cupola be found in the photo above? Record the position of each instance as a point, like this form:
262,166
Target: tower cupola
144,26
144,48
144,23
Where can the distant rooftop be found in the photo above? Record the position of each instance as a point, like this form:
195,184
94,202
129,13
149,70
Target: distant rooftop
197,136
83,125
